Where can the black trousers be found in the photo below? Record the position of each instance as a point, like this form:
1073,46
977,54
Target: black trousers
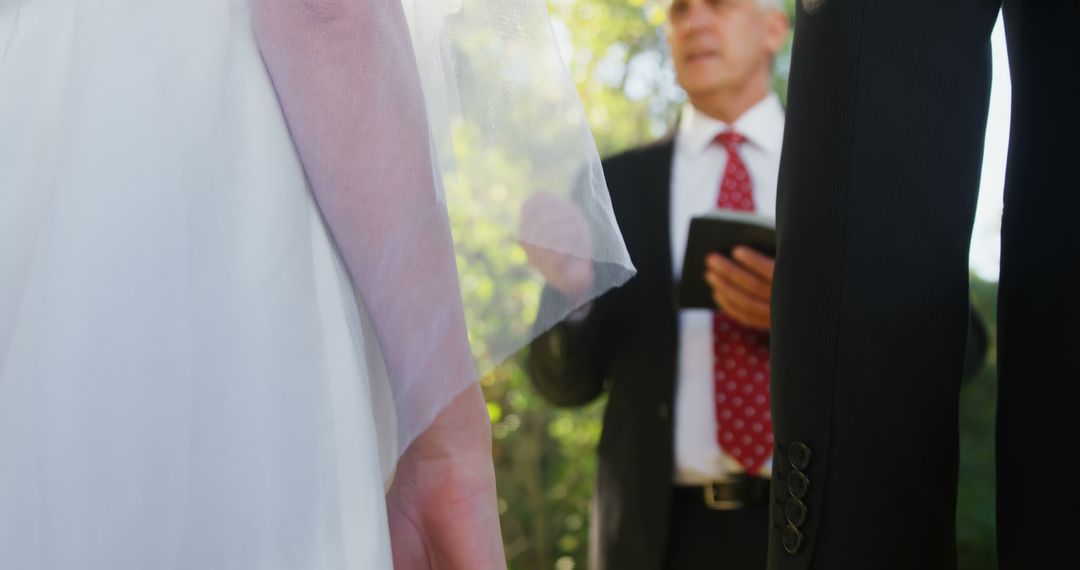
881,163
700,538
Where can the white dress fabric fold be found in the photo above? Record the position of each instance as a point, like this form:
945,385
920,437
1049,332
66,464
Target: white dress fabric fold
185,377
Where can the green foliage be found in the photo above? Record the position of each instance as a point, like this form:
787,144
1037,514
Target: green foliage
975,518
620,64
545,462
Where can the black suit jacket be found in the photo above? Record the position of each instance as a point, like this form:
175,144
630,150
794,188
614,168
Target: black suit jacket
876,197
628,344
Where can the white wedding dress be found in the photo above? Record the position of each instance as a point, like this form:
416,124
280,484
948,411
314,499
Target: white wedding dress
186,382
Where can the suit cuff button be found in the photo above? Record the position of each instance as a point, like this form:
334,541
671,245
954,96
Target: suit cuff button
792,539
795,512
798,484
799,456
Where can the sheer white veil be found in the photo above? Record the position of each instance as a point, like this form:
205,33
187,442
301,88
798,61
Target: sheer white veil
507,126
448,154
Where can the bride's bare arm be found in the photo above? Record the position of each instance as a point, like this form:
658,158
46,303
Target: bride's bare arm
347,80
346,76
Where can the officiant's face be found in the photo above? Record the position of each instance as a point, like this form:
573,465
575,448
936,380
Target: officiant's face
722,45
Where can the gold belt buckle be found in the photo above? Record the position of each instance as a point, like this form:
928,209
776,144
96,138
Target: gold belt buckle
716,503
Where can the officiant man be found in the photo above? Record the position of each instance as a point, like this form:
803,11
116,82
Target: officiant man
684,456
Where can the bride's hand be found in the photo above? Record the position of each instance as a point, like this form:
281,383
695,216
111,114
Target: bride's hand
442,504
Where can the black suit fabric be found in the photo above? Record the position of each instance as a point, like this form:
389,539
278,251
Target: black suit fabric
627,344
877,191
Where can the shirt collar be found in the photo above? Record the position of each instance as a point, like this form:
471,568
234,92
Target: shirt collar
762,125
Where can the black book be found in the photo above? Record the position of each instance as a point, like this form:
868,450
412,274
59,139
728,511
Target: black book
719,232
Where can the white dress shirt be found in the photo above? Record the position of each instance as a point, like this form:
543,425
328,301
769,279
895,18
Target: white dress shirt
695,179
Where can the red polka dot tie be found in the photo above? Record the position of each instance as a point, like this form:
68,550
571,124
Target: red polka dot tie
741,365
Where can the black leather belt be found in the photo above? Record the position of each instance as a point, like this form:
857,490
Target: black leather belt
732,493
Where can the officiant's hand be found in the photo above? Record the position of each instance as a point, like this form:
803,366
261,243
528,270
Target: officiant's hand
742,286
557,242
442,504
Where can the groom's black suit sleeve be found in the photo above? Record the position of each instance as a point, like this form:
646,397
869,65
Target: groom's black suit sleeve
881,163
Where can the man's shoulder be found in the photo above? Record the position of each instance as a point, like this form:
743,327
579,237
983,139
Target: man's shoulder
640,167
635,175
641,156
